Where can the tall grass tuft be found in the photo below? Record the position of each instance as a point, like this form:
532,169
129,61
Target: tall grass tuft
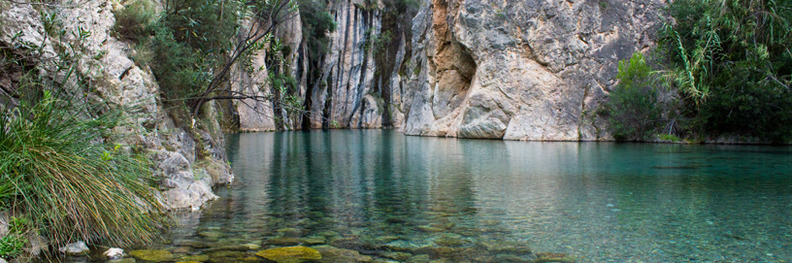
57,170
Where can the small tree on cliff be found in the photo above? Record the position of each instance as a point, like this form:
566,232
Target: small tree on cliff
197,42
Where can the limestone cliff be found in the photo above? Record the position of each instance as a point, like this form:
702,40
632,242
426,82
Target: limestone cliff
514,70
187,161
342,97
519,70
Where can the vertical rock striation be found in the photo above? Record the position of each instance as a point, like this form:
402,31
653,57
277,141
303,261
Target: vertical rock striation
514,70
342,97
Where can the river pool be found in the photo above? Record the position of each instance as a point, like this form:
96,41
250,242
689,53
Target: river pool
391,197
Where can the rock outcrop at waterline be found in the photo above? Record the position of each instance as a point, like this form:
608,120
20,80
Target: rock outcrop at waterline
520,70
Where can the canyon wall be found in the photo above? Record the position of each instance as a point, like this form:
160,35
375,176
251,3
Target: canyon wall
342,97
513,70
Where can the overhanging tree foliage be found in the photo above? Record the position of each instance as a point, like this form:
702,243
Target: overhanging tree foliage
732,62
210,37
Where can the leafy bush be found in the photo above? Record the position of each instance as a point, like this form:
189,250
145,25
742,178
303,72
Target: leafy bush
637,108
51,156
732,61
133,22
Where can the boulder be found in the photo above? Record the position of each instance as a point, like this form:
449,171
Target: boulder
294,254
152,255
76,248
114,253
332,254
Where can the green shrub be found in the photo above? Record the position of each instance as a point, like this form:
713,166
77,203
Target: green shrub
180,71
11,246
133,22
13,243
66,180
732,61
635,107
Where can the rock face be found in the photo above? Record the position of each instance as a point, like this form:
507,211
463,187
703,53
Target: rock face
519,70
188,163
268,114
514,70
343,97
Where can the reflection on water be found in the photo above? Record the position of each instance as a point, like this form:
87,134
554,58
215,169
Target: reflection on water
379,192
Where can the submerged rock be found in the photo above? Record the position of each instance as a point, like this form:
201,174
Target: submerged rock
211,234
400,256
228,256
294,254
152,255
452,240
422,258
314,240
123,260
76,248
454,252
182,250
194,258
510,258
553,257
289,231
503,246
243,247
332,254
424,247
284,241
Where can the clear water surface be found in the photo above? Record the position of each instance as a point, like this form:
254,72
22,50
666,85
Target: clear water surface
377,191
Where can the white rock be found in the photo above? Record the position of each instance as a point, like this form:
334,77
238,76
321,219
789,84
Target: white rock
114,253
74,248
2,260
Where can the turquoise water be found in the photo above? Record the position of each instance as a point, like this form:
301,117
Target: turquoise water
378,192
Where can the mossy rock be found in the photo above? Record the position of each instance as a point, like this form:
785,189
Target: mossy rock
314,240
554,257
295,254
194,258
152,255
333,254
